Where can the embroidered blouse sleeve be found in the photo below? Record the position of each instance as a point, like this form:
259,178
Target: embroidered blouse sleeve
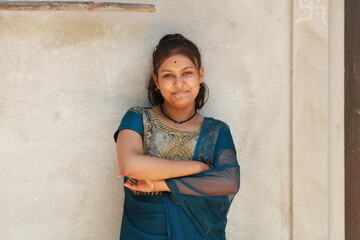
131,120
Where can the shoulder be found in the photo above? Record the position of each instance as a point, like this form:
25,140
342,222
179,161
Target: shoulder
138,112
216,123
133,120
223,133
217,133
138,109
134,115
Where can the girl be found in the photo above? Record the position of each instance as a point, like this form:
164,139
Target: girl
180,168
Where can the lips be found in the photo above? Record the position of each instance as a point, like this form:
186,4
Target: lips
180,92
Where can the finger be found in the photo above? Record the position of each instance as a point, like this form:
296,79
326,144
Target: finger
131,186
128,185
120,175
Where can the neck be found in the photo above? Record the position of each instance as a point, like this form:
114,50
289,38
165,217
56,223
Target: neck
178,114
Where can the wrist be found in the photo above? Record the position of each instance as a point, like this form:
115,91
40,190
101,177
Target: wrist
160,186
204,166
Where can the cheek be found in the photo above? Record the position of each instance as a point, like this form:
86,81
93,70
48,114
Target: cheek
164,85
195,88
196,84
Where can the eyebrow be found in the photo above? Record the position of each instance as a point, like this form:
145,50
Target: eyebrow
168,70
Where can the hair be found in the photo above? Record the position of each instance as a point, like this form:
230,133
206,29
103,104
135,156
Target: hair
168,46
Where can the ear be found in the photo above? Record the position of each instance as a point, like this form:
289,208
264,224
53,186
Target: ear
155,78
201,74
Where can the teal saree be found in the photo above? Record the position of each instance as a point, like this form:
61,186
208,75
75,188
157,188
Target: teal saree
197,206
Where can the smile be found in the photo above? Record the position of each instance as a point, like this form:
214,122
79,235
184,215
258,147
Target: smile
180,92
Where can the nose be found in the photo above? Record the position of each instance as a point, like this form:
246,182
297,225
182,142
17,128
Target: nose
179,81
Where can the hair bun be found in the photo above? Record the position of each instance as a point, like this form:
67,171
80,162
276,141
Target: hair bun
171,37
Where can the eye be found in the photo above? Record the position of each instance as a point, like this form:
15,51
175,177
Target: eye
187,73
168,75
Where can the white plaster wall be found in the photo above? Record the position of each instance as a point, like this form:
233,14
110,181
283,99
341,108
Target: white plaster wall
68,77
317,120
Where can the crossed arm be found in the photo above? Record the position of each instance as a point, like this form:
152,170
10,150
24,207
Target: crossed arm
150,171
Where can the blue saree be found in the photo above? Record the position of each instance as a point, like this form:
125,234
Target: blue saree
197,205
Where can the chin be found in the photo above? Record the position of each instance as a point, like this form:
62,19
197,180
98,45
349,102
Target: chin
182,104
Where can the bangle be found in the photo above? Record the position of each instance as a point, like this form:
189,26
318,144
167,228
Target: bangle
209,165
152,185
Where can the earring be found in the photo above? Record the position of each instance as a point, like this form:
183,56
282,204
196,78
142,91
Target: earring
157,90
201,85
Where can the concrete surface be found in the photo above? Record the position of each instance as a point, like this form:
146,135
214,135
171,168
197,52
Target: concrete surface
274,69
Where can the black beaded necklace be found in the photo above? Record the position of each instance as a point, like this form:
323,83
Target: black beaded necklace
177,122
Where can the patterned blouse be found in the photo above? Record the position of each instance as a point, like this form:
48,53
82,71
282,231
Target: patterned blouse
159,140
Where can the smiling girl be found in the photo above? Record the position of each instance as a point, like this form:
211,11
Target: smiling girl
180,168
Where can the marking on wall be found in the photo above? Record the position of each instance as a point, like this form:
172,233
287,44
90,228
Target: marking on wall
270,7
312,10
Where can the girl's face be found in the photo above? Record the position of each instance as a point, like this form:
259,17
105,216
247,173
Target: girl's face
179,81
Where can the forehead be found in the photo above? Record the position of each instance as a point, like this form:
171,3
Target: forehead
175,61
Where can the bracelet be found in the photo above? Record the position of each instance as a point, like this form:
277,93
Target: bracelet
152,185
209,165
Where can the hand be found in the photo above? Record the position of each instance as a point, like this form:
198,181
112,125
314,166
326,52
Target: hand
206,166
145,185
142,186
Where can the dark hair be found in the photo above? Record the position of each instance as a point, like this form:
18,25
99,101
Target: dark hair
168,46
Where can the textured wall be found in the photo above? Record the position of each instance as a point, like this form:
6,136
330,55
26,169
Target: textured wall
317,187
68,77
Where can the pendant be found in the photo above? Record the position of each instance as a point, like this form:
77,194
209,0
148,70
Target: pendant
177,124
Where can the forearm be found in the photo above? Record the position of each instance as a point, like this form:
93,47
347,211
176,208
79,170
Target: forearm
150,186
153,168
215,182
133,163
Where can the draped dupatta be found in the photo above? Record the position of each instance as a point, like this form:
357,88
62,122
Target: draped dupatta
203,200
